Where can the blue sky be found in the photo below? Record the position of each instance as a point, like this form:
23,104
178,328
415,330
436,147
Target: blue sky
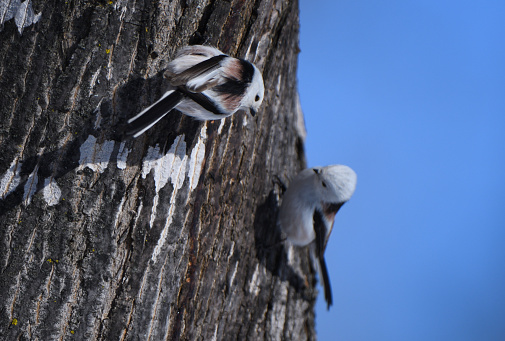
411,95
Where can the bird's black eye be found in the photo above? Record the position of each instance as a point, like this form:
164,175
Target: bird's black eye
324,184
257,98
316,170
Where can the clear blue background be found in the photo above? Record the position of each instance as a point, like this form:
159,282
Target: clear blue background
411,95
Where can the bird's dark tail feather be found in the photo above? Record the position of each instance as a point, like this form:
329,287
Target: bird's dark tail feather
149,116
326,281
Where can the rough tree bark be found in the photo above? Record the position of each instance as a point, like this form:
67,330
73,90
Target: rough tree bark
168,236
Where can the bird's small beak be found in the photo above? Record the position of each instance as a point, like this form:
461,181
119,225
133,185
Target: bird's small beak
252,111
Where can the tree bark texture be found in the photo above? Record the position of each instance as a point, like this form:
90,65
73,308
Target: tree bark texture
170,236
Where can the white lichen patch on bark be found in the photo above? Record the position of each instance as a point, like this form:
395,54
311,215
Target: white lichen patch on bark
253,284
290,253
214,337
197,158
11,179
221,125
30,186
21,12
171,166
261,51
95,155
278,313
118,212
98,114
232,278
51,191
163,166
122,155
94,80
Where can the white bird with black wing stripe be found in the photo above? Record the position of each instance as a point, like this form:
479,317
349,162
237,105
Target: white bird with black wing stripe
309,207
207,85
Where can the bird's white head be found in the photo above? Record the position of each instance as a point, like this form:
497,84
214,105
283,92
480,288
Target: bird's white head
255,92
336,183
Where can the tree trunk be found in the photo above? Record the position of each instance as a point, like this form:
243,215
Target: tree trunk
168,236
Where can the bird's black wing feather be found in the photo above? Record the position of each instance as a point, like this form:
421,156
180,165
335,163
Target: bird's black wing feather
320,231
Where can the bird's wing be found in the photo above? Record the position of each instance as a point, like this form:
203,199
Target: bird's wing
330,210
205,102
149,116
198,77
320,231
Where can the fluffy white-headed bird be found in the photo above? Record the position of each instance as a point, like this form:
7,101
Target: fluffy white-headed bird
205,84
309,207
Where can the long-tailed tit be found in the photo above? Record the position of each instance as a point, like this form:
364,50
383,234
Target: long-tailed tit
205,84
309,207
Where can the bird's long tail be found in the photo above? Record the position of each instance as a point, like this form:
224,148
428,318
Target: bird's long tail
326,281
148,117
